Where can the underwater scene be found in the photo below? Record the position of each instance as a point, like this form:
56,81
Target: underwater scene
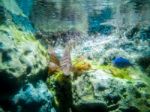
74,55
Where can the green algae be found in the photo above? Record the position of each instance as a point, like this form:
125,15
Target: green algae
123,73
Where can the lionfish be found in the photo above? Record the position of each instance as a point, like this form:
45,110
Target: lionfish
64,63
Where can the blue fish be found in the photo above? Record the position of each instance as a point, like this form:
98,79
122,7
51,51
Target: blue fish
121,62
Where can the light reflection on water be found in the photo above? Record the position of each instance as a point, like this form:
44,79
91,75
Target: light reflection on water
69,14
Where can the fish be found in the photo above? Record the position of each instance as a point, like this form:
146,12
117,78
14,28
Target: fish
121,62
53,56
52,68
65,62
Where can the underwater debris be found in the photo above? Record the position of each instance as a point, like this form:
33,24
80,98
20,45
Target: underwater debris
121,62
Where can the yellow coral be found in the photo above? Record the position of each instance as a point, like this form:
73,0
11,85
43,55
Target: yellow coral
80,65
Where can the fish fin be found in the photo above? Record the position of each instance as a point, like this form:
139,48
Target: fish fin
53,56
65,61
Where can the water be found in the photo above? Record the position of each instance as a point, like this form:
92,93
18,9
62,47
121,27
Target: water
74,55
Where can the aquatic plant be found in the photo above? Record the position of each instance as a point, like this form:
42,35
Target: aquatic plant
123,73
20,35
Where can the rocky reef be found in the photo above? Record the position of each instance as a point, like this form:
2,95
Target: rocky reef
22,57
99,91
23,62
33,98
109,64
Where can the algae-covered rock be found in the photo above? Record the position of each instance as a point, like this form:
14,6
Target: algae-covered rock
97,91
61,87
2,17
34,98
22,57
144,62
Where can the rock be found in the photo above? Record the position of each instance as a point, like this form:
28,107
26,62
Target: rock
96,88
16,13
139,32
62,89
130,109
2,13
148,70
144,62
148,102
1,110
140,84
34,98
21,58
106,48
91,107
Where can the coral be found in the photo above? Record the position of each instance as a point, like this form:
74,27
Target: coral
80,65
